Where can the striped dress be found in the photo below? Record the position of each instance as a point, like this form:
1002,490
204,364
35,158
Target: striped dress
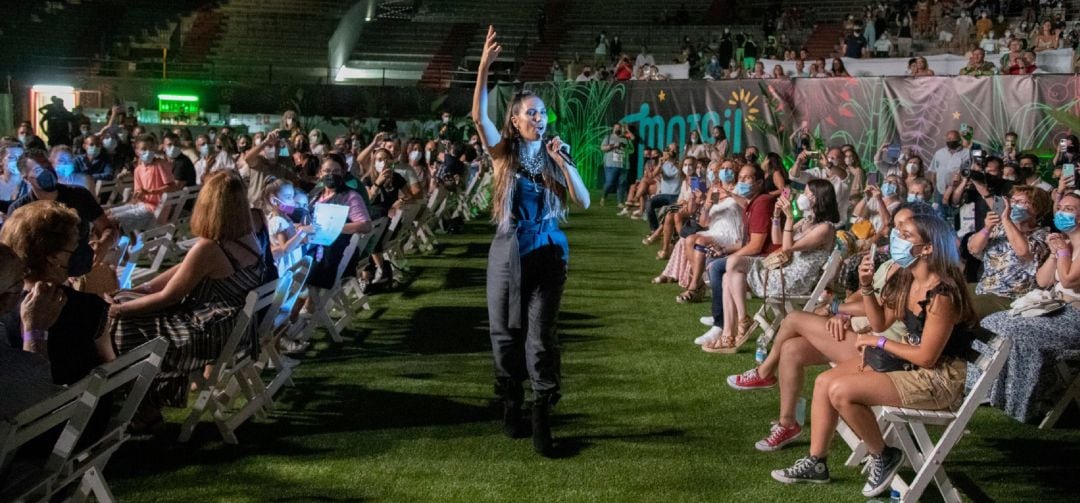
196,328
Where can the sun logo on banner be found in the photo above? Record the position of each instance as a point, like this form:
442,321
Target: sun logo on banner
743,98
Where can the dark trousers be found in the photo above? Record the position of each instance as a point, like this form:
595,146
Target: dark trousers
716,270
531,351
654,204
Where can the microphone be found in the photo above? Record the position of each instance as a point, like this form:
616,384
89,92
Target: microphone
564,151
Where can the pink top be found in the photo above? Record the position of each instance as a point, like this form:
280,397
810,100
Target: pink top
153,176
357,209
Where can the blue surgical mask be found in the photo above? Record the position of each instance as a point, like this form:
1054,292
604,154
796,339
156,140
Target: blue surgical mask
1018,214
888,189
900,250
710,177
1065,221
46,179
913,198
744,189
65,170
727,175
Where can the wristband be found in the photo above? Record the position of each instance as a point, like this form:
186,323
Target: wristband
35,335
834,308
776,221
1064,253
985,232
881,342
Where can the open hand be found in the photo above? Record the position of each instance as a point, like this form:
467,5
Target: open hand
491,49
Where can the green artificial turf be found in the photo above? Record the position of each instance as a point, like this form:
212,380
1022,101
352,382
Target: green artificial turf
402,410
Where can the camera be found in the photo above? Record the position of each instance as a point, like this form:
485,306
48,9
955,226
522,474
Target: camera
975,176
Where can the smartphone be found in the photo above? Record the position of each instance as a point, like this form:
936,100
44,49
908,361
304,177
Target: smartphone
999,205
964,129
1068,170
872,178
892,154
701,248
873,251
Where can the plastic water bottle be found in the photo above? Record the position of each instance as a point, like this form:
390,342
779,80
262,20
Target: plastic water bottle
762,349
895,497
800,411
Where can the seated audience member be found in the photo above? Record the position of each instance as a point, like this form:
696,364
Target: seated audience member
334,191
759,207
1011,246
927,371
286,238
12,185
119,153
194,304
808,242
384,188
28,138
96,235
645,187
831,168
1029,386
673,215
806,339
415,171
880,204
153,177
670,179
183,170
45,236
223,156
63,162
25,377
94,162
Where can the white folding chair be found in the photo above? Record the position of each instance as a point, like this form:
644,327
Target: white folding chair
70,407
777,308
335,307
233,375
171,206
924,455
106,191
1072,391
134,371
398,233
154,244
424,238
279,324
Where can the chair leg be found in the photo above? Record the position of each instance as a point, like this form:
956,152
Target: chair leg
93,483
935,457
1071,394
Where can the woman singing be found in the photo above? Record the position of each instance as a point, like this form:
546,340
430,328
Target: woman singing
527,262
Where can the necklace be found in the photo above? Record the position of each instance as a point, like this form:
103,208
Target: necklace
533,164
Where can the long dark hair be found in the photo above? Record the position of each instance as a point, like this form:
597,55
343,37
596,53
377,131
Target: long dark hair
775,165
825,207
507,166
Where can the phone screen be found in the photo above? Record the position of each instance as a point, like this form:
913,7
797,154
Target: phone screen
893,153
872,178
1068,170
999,205
873,251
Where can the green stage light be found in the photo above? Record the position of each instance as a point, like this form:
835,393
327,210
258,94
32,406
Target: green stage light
178,97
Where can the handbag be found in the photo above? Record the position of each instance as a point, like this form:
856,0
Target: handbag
690,228
884,361
778,259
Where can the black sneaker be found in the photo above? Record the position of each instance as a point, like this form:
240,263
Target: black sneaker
808,469
881,470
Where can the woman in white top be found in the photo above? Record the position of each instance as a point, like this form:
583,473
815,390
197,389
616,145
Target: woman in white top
11,182
694,147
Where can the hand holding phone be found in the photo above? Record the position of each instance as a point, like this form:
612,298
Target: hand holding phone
1068,169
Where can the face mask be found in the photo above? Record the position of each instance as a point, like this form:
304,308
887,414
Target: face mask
65,170
427,156
172,151
445,120
1065,221
283,152
688,170
81,261
24,139
122,136
146,157
379,166
109,144
953,145
912,168
744,189
850,161
727,175
668,165
1018,214
204,150
333,182
92,151
1010,178
212,136
269,154
912,198
804,202
888,189
286,207
46,179
414,156
319,150
710,177
900,250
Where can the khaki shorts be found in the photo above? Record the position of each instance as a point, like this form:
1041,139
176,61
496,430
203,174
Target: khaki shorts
937,388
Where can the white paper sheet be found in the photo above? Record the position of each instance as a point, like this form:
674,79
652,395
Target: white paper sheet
329,219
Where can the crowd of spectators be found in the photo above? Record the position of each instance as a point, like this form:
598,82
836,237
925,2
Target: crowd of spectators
931,248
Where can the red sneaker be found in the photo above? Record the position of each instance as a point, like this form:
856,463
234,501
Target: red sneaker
779,436
750,380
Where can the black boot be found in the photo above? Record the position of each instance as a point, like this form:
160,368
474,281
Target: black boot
541,426
512,397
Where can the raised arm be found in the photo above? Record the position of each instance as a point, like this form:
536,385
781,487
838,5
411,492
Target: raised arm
485,129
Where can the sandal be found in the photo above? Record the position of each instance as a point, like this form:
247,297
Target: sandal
661,255
690,296
648,240
659,280
746,325
725,346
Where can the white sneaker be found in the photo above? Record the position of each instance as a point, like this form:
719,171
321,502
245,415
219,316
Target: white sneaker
706,320
625,211
712,334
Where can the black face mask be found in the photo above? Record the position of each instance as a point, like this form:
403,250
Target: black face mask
333,182
82,260
953,145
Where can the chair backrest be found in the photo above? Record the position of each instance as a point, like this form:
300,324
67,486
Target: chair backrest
157,241
346,257
104,190
831,269
168,210
139,367
73,406
292,282
258,299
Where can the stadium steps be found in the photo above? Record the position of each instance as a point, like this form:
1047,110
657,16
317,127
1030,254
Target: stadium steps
538,60
822,41
440,69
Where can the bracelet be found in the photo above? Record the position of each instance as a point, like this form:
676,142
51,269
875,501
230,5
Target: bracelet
776,222
985,232
35,335
834,308
881,342
867,291
1064,253
789,230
